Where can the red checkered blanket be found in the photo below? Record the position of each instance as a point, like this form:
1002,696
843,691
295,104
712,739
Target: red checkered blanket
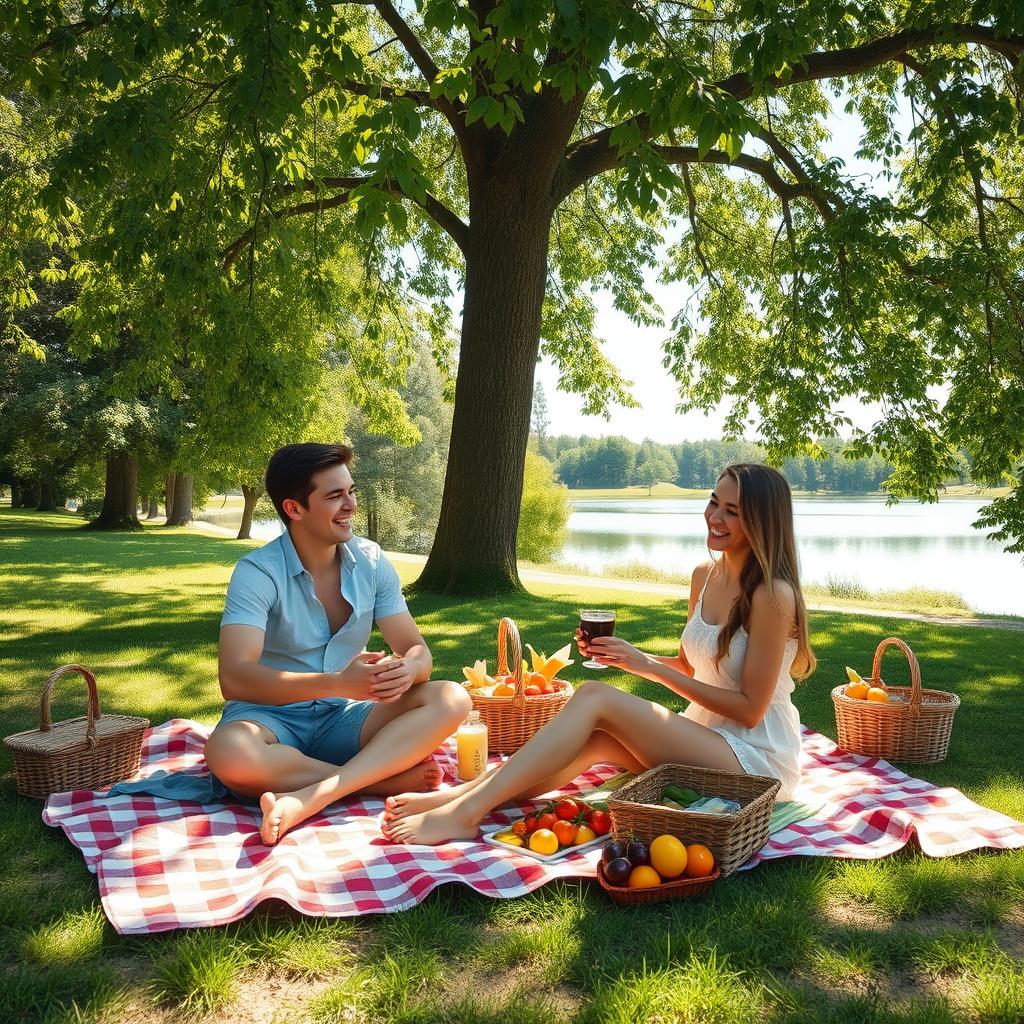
163,865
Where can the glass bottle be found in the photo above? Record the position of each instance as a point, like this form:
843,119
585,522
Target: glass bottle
471,746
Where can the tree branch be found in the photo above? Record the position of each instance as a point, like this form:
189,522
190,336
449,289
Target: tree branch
78,28
421,59
588,156
432,206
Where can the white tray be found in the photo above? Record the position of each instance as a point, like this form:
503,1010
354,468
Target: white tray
490,831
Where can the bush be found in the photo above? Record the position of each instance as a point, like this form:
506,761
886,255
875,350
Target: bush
544,513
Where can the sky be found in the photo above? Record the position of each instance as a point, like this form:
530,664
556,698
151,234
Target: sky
637,351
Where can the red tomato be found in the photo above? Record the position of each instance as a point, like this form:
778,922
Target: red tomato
546,820
548,687
566,809
519,828
531,825
601,822
566,832
533,691
586,811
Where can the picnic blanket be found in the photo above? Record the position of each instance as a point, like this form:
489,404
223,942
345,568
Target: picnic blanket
164,864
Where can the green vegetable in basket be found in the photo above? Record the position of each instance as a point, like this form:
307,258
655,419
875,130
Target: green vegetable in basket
680,796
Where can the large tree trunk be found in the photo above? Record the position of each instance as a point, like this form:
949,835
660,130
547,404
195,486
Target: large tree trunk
168,494
46,499
15,495
474,549
153,512
250,495
119,495
181,511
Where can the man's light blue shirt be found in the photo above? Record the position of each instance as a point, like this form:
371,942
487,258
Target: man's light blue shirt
272,590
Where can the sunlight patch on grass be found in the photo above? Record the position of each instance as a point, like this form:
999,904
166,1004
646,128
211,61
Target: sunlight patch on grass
200,973
75,937
391,989
311,948
903,888
997,996
955,952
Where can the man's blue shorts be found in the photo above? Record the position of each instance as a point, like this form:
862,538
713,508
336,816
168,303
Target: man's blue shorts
327,730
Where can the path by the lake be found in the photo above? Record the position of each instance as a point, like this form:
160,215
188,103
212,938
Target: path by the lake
529,575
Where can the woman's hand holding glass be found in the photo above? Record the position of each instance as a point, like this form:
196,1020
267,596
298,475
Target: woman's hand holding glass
615,652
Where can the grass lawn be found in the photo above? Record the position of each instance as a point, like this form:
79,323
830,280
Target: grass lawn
905,939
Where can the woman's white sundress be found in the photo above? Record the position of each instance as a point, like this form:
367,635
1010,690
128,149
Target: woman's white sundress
772,747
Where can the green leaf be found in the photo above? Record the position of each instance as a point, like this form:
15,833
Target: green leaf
478,108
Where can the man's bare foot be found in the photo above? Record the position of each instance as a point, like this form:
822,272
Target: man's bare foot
441,825
426,775
280,813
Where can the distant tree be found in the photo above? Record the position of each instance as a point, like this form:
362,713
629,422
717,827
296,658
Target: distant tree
539,421
655,464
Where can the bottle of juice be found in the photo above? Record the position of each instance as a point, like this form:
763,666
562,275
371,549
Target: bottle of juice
471,746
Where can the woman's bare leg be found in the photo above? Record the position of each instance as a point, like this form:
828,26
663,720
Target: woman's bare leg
600,748
652,733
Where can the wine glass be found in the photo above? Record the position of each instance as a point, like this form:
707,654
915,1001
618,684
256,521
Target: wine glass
596,622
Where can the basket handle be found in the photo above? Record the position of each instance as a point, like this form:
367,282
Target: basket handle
93,714
508,636
915,671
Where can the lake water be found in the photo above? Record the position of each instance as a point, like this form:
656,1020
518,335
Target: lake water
857,539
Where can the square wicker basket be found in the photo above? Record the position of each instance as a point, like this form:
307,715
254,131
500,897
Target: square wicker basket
732,838
80,753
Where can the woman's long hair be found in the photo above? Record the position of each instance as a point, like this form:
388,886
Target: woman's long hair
766,515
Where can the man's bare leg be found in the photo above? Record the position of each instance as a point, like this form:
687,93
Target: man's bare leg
249,760
395,738
600,749
654,734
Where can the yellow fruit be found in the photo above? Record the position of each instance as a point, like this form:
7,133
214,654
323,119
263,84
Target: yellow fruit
544,841
878,695
853,675
584,834
503,690
700,861
643,877
668,856
858,691
510,838
550,667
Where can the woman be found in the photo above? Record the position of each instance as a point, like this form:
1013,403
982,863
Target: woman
745,639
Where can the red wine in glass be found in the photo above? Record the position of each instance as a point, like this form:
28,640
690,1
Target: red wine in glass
596,622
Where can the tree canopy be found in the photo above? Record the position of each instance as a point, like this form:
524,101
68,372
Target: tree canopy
537,151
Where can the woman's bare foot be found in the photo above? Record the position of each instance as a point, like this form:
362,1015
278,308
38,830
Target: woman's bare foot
280,813
426,775
441,825
401,806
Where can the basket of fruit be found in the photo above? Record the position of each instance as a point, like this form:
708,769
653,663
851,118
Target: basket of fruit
516,702
899,723
555,830
727,812
631,871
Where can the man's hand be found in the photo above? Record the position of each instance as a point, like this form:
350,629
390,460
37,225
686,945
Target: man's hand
356,680
392,677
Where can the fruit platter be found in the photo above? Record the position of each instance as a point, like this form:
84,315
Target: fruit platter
554,831
631,871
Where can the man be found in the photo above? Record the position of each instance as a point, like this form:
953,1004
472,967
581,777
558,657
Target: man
311,716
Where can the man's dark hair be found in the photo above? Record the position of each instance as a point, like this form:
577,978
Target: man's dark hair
291,470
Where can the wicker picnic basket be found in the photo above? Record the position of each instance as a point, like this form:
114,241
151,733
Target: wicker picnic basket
81,753
677,889
511,721
636,810
915,724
